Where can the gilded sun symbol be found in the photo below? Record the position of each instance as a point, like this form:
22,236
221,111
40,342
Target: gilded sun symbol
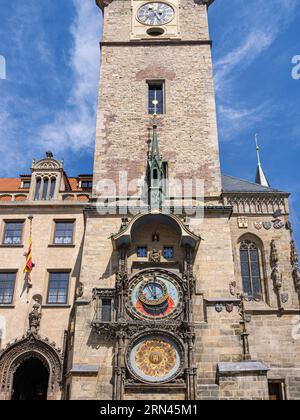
155,358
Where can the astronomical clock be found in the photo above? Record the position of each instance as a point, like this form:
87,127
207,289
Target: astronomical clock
155,358
155,295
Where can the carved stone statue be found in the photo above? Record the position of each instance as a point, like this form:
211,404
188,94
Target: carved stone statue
296,276
232,288
35,318
155,256
274,253
79,290
277,278
124,224
295,265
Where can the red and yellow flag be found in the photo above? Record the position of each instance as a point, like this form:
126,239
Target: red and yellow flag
29,264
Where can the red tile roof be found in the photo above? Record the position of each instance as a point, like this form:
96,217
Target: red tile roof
10,185
14,185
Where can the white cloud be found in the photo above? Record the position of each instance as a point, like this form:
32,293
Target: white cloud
260,24
241,57
30,122
234,121
74,127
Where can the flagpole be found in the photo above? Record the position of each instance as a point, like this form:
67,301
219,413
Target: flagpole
29,264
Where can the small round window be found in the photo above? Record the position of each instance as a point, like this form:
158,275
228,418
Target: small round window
155,31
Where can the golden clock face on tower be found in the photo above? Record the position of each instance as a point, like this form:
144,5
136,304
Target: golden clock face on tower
155,295
156,13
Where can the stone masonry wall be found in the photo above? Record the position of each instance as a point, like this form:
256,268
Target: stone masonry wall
188,127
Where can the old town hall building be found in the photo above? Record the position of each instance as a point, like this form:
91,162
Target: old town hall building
156,277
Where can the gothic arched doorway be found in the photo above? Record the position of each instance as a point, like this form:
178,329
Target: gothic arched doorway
30,381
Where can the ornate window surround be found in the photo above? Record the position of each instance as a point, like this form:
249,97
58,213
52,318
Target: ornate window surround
30,345
262,263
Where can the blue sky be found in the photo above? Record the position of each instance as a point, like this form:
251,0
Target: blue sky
49,97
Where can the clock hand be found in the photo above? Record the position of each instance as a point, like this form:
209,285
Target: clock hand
151,291
154,294
157,15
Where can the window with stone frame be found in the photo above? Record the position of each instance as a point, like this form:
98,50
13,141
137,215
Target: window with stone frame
58,288
86,184
64,232
104,305
7,287
250,269
106,308
13,233
156,97
45,188
26,184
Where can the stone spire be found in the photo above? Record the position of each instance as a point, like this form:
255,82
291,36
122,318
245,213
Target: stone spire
260,175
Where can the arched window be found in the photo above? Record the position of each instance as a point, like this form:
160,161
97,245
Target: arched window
250,268
37,189
52,188
45,189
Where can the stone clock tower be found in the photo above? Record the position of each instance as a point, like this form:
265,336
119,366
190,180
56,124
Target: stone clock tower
155,278
156,124
159,313
159,49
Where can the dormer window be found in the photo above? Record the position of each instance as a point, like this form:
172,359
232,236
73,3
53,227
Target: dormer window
25,185
86,184
45,188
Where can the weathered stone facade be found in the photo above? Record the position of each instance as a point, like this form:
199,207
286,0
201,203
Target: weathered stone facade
161,305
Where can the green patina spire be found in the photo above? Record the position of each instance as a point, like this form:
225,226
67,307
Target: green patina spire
156,171
155,146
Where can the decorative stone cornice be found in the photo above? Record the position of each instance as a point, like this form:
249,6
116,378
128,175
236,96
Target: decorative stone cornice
257,203
104,3
112,330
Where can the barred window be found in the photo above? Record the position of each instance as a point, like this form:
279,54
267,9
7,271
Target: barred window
168,252
250,268
58,288
7,286
13,233
63,233
142,252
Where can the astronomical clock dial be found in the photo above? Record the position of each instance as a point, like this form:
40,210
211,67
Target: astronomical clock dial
155,13
155,295
154,359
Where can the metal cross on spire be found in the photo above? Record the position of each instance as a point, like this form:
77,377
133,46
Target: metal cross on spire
155,103
257,149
